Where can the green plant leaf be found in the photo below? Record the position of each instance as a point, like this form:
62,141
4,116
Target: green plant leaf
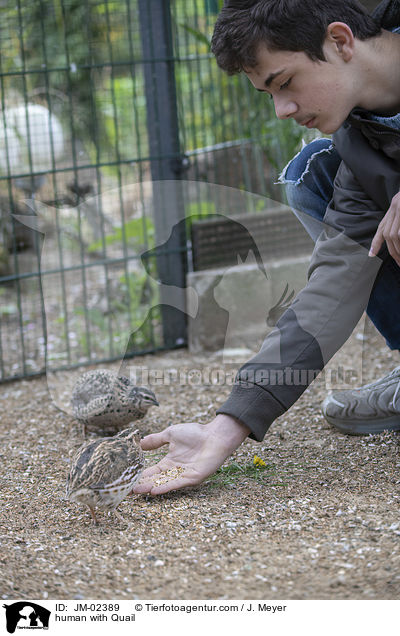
200,37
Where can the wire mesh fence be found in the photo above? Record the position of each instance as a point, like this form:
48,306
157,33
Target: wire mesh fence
100,99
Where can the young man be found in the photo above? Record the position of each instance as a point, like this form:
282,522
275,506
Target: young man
331,66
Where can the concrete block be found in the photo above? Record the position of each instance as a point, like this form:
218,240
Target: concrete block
239,305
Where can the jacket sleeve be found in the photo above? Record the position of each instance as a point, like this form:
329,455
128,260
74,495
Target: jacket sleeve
321,317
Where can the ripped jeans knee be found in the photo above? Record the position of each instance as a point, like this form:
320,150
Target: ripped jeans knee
308,180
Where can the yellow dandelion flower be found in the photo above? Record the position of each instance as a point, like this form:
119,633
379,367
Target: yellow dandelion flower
258,462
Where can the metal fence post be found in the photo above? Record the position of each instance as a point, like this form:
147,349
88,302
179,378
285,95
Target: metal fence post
167,162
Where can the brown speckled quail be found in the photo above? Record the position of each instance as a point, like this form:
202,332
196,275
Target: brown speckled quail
103,471
106,403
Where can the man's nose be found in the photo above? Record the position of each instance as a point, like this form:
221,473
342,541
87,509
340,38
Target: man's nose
284,108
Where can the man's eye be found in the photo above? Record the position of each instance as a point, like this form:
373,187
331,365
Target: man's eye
286,84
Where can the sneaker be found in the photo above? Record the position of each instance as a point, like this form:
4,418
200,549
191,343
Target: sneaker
371,408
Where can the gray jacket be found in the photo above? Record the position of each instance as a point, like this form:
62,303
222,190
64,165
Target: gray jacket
341,274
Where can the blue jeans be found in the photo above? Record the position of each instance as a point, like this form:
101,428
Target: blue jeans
308,180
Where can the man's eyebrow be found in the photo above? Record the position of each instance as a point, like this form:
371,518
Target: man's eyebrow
271,78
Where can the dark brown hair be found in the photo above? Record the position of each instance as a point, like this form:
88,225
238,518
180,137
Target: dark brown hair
291,25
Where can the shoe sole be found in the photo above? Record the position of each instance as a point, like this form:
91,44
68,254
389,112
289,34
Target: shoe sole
365,427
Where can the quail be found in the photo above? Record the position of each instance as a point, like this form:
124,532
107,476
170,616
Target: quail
106,403
103,471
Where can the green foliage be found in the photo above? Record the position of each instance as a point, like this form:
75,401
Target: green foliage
142,291
231,474
94,82
128,313
122,105
136,233
229,108
281,141
129,297
92,43
8,310
200,37
102,96
56,37
197,210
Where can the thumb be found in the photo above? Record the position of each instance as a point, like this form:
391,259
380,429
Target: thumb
155,440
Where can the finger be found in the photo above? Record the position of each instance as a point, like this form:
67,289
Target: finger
148,485
161,482
146,481
393,249
161,467
391,237
155,440
395,239
150,471
377,242
145,484
174,484
142,489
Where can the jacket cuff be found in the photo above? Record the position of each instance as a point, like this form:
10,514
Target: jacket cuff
255,407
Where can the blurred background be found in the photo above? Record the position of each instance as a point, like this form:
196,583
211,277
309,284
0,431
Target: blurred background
99,100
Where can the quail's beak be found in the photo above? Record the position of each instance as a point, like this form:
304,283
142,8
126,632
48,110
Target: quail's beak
149,400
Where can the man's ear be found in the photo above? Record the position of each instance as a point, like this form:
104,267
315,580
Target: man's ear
339,35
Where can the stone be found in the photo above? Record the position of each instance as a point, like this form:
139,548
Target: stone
236,302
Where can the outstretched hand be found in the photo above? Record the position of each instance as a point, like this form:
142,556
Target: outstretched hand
195,452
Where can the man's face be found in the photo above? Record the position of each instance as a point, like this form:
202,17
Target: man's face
316,94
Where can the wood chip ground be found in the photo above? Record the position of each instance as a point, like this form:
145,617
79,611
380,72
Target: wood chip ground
320,521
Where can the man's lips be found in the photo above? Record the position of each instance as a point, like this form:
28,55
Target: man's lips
308,123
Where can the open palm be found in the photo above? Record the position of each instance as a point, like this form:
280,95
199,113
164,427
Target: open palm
195,450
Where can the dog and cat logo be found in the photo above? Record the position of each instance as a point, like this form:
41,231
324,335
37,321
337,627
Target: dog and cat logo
26,615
